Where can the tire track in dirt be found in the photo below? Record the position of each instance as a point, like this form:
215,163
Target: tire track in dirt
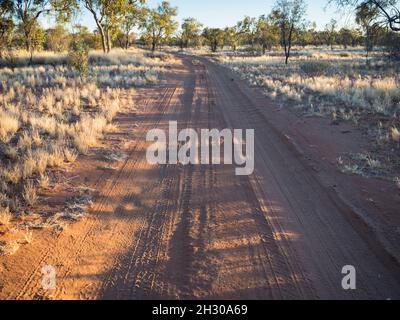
288,281
199,231
118,264
237,100
126,175
205,270
311,226
142,277
31,289
188,250
280,282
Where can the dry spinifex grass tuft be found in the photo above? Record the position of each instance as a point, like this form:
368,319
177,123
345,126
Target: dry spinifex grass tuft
49,115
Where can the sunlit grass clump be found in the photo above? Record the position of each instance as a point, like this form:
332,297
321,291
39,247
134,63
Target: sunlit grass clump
49,114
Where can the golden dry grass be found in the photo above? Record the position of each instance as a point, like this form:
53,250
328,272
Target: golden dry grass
49,114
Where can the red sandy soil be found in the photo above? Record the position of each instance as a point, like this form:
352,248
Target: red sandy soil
199,231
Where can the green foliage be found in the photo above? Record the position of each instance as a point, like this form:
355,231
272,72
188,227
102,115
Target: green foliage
6,34
366,15
78,57
392,42
135,16
6,25
191,30
110,16
36,37
330,33
82,34
267,34
159,25
387,11
232,37
214,37
288,15
57,39
28,13
10,59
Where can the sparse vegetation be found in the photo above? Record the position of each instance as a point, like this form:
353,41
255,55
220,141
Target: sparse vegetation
321,82
44,181
395,135
29,194
54,109
314,68
78,57
8,248
5,216
76,118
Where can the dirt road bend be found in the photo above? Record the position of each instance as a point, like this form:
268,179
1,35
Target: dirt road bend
200,231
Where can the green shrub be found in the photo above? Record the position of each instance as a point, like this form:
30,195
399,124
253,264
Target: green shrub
10,60
78,57
314,68
392,44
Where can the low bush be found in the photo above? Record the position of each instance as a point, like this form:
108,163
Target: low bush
314,68
78,58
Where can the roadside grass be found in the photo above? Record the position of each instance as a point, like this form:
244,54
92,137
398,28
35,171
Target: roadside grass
5,216
341,85
49,115
364,164
328,80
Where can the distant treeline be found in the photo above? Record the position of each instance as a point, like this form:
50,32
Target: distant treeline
284,27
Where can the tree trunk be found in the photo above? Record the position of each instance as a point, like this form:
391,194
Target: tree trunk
101,30
289,44
29,48
27,45
127,33
103,38
108,39
27,40
127,44
287,53
214,46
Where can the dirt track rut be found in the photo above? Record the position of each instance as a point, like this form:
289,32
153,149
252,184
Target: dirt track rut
200,231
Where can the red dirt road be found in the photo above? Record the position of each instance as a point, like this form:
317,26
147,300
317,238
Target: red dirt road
201,231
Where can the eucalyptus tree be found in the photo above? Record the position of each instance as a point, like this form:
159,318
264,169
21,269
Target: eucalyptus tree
191,30
267,34
214,37
134,17
366,15
388,10
6,24
28,12
108,15
159,25
288,15
330,33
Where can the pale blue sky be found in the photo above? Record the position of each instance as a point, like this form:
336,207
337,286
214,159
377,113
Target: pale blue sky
222,13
